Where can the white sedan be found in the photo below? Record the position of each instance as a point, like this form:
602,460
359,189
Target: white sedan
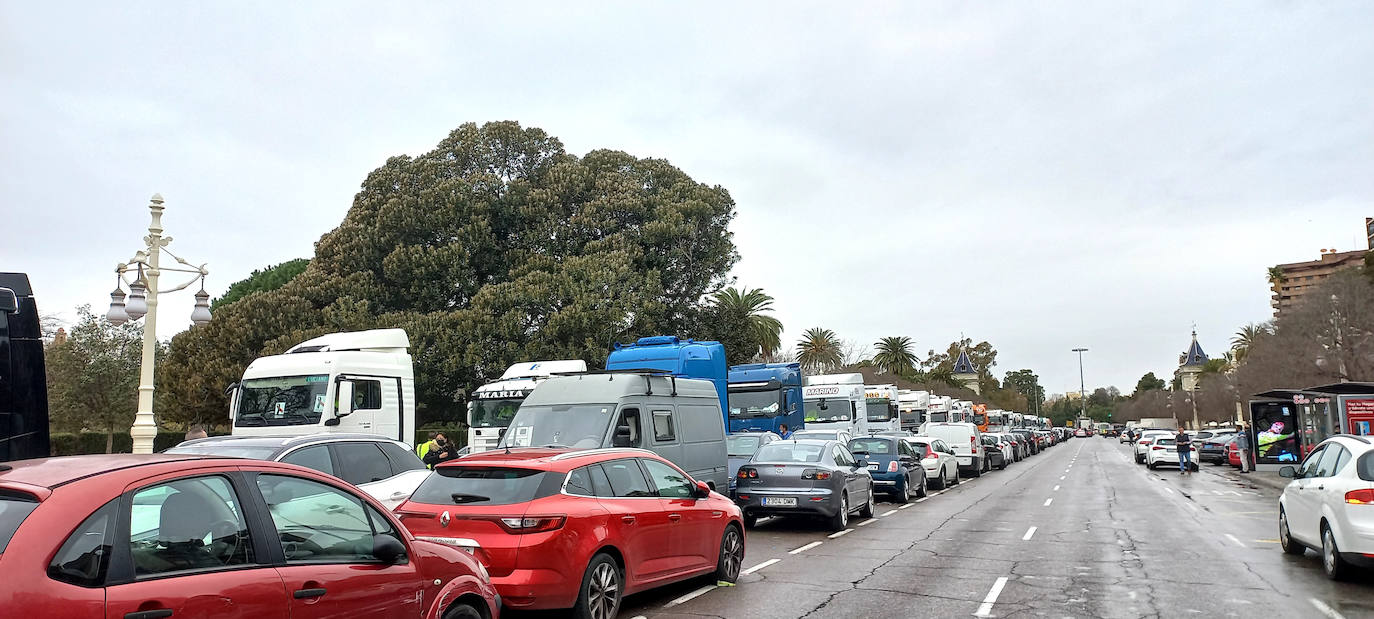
1142,443
938,459
1329,505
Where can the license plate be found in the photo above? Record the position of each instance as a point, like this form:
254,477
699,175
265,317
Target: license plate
777,501
872,466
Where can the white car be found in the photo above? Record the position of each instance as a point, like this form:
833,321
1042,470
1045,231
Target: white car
937,457
1161,450
967,442
839,436
1142,443
1329,505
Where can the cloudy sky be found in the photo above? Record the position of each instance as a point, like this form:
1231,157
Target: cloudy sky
1040,175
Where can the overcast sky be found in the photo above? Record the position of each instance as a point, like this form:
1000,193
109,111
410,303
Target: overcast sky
1039,175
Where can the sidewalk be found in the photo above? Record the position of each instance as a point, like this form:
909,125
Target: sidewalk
1267,479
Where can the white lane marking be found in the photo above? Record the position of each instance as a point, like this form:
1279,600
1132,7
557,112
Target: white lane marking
805,548
760,566
1061,477
867,522
1325,610
1056,488
1168,489
839,533
690,596
985,609
1029,533
1238,542
1048,501
906,506
922,499
887,513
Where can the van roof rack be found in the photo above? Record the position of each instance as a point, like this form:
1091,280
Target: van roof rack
647,373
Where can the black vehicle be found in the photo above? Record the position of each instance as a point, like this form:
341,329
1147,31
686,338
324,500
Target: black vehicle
996,458
1214,449
1029,438
23,378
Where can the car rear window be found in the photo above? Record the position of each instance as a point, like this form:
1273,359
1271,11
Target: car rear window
789,452
14,508
744,446
1164,441
1364,467
473,485
873,446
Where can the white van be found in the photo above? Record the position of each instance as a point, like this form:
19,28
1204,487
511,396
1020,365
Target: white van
967,442
677,418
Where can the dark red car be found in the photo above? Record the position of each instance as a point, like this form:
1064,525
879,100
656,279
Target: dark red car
560,528
147,537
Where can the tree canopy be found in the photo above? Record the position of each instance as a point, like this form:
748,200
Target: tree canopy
495,247
819,351
263,280
93,376
895,355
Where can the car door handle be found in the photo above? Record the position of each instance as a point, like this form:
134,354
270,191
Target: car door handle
627,519
675,517
309,593
149,614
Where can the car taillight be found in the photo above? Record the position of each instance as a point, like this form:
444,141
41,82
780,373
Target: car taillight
930,453
531,524
747,473
892,466
1145,442
1157,447
1360,497
815,474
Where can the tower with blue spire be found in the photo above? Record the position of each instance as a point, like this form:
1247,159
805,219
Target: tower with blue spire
965,373
1190,365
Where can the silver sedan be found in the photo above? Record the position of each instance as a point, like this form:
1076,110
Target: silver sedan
804,478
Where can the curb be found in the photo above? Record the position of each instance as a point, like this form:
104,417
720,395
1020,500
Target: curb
1266,479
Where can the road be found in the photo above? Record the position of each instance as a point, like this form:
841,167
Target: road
1077,531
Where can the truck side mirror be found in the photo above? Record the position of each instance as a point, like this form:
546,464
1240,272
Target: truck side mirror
344,398
231,392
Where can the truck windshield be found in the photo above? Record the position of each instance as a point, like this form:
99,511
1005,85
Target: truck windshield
495,413
939,416
827,410
755,403
282,400
582,426
878,410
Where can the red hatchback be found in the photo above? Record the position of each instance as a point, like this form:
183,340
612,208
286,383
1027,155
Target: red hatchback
559,528
146,537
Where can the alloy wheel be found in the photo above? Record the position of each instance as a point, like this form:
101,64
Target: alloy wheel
605,592
731,554
844,509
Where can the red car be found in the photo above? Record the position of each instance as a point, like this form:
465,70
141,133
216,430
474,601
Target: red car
1233,454
146,537
579,529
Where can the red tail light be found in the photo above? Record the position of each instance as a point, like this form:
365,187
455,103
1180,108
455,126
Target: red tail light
930,453
1360,497
1145,442
1157,447
892,466
747,473
531,524
815,474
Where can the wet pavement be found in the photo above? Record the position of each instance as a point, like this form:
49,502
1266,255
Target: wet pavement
1079,530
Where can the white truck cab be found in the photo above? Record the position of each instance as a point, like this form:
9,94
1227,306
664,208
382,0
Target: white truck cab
359,381
880,403
911,408
494,404
835,402
938,410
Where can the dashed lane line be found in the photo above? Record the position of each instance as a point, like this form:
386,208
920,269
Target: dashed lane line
867,522
760,566
807,547
906,505
840,533
1029,533
690,596
1048,501
985,609
887,513
1056,488
1325,610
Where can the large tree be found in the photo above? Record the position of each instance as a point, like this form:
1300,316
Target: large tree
495,247
1026,383
1149,382
93,376
753,307
263,280
895,356
819,351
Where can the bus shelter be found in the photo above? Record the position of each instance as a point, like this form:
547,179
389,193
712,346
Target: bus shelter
1288,423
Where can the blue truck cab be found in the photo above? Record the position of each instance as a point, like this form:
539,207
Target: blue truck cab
682,358
763,396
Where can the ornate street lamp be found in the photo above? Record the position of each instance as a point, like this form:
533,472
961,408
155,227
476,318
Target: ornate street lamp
141,302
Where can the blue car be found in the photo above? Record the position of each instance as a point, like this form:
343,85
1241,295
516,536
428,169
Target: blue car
894,466
741,446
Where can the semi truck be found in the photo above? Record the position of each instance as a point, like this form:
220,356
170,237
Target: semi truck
358,381
683,358
764,396
939,408
493,405
23,378
911,408
836,402
880,402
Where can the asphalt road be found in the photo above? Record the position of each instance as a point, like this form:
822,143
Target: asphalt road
1079,530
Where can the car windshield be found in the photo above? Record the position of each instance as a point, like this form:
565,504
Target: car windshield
493,413
741,446
580,426
282,400
873,446
13,511
462,485
789,452
755,403
226,450
826,410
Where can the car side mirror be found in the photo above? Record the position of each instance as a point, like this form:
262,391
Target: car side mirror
703,490
1289,472
9,302
622,437
388,549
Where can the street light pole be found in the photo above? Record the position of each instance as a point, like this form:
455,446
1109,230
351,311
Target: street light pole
142,303
1082,389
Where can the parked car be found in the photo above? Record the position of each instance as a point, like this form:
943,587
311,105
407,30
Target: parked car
740,447
1214,449
1160,450
999,453
1327,505
185,536
1019,450
1143,443
385,468
839,436
1233,453
893,464
579,529
805,477
967,442
1027,437
1080,433
938,459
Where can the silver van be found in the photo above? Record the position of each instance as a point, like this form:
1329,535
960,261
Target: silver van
677,418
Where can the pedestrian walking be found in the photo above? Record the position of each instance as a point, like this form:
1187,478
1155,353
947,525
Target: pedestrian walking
1243,446
1183,444
784,432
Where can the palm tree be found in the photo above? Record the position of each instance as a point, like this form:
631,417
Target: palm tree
937,376
819,350
1245,338
1275,275
752,304
895,356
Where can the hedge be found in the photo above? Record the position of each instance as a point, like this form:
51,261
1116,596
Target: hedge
71,444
